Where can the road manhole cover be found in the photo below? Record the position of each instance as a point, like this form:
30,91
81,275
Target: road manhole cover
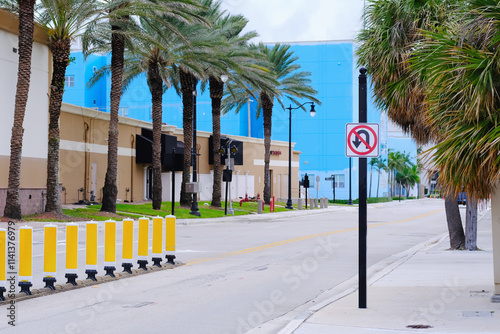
419,326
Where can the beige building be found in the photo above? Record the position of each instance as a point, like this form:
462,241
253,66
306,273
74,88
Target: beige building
84,161
34,154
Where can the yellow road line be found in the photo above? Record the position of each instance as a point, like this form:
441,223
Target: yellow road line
306,237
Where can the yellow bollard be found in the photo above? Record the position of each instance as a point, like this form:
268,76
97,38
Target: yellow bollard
157,240
49,255
143,248
170,239
91,250
128,245
3,262
110,247
25,258
71,252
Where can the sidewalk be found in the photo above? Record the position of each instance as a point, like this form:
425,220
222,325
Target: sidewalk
428,288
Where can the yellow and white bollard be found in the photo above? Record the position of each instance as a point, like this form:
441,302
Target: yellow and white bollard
49,255
3,262
91,250
71,253
157,241
25,258
170,239
143,248
110,247
128,245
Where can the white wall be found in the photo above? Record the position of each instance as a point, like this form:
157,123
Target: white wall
36,118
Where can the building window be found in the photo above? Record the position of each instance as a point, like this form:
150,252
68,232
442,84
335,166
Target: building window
123,111
69,81
339,181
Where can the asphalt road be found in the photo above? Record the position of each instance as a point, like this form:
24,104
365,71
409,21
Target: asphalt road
239,273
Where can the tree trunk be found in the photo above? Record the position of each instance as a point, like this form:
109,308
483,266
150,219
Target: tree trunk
187,84
26,28
455,228
60,58
378,182
371,174
267,107
156,87
471,225
110,189
216,93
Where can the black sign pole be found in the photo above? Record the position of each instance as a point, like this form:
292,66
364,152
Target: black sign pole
362,195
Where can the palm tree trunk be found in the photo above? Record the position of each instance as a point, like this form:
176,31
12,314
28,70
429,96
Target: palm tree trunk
216,93
60,58
378,182
471,225
26,28
371,174
267,107
110,189
455,228
156,87
187,84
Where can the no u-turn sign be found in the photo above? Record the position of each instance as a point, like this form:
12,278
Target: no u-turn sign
362,140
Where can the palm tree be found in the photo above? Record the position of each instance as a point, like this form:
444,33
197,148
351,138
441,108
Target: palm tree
237,60
373,162
387,43
292,84
63,21
111,31
380,166
459,64
151,56
26,29
407,178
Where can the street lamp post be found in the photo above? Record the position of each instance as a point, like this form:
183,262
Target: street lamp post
313,113
194,206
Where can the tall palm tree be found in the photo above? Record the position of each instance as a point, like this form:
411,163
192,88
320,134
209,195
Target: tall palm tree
373,162
151,56
459,63
292,84
379,167
111,31
26,29
387,43
237,60
63,21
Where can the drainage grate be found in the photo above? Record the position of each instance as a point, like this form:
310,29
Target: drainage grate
419,326
478,314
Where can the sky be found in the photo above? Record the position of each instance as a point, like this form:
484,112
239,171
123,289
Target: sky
300,20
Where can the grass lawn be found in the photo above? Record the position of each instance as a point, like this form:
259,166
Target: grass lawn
135,211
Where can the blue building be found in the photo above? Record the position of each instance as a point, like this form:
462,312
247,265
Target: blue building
321,140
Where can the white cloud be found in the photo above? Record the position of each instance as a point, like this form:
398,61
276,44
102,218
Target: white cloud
300,20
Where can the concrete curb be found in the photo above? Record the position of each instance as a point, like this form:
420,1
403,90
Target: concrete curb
85,283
